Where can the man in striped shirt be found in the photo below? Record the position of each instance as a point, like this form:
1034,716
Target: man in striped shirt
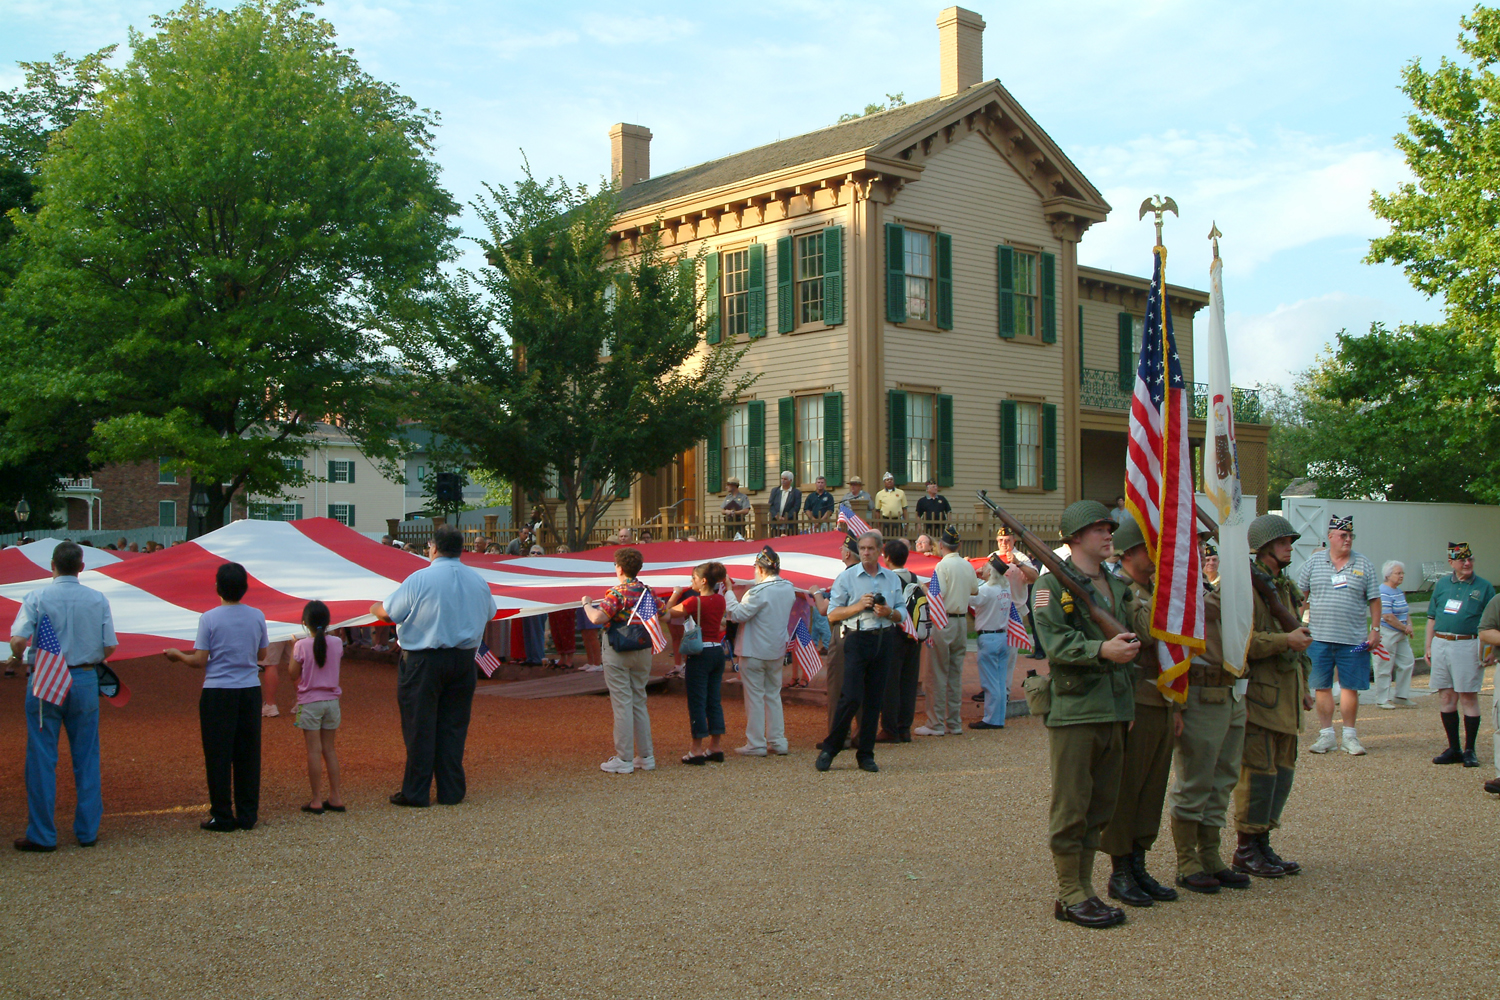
1343,593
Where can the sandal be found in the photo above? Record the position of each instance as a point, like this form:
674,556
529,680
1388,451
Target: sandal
333,808
717,757
315,811
695,758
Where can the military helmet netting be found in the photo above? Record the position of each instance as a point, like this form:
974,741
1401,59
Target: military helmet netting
1267,528
1082,514
1128,535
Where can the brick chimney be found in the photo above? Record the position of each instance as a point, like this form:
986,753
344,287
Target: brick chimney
961,49
629,153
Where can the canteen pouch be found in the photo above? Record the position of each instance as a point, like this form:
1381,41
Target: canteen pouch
627,637
1038,691
1213,695
692,638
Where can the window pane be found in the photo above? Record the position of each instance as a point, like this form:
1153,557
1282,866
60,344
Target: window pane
919,450
734,280
1025,294
737,443
918,275
166,513
1028,444
809,438
162,475
810,279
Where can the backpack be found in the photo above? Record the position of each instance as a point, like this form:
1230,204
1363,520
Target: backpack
914,597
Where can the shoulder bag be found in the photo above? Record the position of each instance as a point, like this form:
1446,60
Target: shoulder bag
692,632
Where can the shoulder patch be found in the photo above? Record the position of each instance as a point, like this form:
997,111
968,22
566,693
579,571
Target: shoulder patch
1043,597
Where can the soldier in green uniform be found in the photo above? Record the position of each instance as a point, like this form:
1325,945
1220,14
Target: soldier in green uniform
1275,699
1092,700
1148,742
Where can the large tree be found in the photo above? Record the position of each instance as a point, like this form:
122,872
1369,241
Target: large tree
567,365
214,247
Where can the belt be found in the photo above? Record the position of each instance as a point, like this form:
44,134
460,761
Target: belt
989,631
1455,638
872,628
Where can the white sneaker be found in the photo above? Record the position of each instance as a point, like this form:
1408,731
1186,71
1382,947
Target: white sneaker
925,731
749,751
1326,742
1353,746
645,763
1386,704
617,766
781,751
269,711
593,668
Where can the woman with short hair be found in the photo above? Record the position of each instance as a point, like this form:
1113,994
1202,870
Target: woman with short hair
1395,636
625,671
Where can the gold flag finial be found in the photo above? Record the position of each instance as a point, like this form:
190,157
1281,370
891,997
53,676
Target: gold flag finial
1159,206
1214,235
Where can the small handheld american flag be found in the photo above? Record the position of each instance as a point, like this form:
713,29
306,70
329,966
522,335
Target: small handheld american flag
935,609
486,660
1015,630
800,644
50,679
646,610
850,521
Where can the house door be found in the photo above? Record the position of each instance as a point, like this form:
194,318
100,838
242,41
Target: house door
687,485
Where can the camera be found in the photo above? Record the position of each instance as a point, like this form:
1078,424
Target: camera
879,599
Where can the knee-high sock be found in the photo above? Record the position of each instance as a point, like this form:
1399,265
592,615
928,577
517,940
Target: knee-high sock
1450,726
1471,731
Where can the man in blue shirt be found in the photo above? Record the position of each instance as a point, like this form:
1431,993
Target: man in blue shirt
86,634
440,614
866,599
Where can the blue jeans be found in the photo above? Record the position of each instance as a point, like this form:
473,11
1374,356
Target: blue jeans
1353,668
996,658
704,673
79,714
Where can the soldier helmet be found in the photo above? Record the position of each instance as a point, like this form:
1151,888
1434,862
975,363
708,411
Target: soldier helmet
1267,528
1083,514
1128,535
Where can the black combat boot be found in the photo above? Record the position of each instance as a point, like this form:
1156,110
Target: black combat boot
1122,883
1143,878
1290,867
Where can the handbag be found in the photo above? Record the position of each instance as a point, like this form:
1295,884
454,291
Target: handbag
627,637
692,634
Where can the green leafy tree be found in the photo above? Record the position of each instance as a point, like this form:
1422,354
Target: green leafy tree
891,101
214,245
564,364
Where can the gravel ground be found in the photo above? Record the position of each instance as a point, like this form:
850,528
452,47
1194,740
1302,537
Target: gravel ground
756,878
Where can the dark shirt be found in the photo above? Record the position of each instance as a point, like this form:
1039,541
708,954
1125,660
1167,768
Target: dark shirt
817,504
934,508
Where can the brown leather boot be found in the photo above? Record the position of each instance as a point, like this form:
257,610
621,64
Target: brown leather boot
1290,867
1249,860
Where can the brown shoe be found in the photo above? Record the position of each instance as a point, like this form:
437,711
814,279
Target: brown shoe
1232,879
1090,913
1290,867
1202,882
1493,786
886,736
1249,860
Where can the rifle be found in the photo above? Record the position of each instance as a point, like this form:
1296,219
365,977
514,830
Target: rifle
1263,584
1108,623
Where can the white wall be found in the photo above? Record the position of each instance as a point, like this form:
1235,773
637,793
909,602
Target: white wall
375,498
1411,532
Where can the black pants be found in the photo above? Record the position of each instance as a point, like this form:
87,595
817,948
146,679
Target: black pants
435,689
868,657
704,675
230,721
899,707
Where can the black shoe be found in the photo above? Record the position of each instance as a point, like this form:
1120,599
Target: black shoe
400,799
1203,882
22,844
1452,755
1471,759
245,824
88,843
868,764
717,757
218,826
1289,867
824,761
1092,912
904,736
981,724
1147,884
979,698
1229,879
886,736
1122,884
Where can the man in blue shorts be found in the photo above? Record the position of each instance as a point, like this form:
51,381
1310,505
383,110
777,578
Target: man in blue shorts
1343,593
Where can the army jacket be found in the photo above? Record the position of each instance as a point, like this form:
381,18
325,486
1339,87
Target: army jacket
1277,673
1137,618
1086,688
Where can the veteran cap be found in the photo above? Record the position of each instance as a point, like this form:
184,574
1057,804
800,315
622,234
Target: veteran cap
1336,523
1460,550
950,537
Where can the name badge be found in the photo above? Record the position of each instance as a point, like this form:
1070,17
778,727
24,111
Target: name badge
1339,580
1453,606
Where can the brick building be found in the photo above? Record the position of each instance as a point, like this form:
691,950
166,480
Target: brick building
133,495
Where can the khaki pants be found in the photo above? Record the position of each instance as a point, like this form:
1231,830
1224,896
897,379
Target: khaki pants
945,693
1398,666
765,728
1208,755
835,672
1495,711
1143,782
1267,767
625,674
1085,762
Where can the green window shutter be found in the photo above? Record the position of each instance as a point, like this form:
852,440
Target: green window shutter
1005,267
1126,324
352,520
350,466
833,275
786,433
896,432
945,440
944,281
786,304
1049,298
687,281
330,472
622,492
833,438
713,460
895,274
711,298
1008,474
757,456
297,518
756,290
1080,341
1049,446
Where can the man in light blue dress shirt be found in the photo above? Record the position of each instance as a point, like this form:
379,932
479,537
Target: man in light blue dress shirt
86,634
440,614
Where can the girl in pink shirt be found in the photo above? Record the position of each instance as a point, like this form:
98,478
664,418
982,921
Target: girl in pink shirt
315,668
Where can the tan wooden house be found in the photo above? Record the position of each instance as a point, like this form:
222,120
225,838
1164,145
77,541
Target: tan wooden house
909,289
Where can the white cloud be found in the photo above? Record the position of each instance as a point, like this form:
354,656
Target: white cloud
626,30
1275,346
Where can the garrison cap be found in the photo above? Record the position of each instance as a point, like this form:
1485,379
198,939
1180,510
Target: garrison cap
951,538
1460,550
1081,515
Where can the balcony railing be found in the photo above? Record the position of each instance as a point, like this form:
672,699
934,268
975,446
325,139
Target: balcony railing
1101,389
75,484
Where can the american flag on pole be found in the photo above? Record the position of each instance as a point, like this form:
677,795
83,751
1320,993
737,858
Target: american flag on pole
646,610
800,644
1159,490
486,660
850,521
1015,630
935,609
50,679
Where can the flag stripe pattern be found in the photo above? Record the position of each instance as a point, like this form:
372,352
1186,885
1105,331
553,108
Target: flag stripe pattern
1015,630
50,679
850,521
486,660
799,643
935,609
1159,489
646,610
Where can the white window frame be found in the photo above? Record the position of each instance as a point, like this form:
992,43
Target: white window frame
1028,445
808,457
808,297
921,449
162,506
343,513
736,461
163,477
920,287
734,292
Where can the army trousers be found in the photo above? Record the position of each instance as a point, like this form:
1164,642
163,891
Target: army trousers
945,689
1143,782
1267,767
1208,755
1086,760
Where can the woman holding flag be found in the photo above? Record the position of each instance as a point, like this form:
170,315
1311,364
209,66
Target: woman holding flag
627,661
761,647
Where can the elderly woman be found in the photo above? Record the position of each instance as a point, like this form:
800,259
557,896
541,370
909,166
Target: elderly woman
760,647
626,671
1395,636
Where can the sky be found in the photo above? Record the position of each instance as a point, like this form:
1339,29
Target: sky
1272,119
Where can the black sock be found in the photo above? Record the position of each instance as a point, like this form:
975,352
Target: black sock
1471,731
1450,724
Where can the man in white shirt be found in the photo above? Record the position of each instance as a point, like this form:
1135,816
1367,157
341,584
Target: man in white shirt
957,583
991,605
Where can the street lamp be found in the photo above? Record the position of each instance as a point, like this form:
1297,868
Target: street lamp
199,505
23,510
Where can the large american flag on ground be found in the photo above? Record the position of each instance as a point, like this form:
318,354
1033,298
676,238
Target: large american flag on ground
646,610
799,643
486,660
850,521
1159,490
1015,630
50,679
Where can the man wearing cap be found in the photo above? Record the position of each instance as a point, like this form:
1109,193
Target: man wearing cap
1148,742
818,505
1276,695
759,649
858,498
1091,688
933,508
80,619
890,504
734,507
1453,623
1343,593
957,584
786,502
